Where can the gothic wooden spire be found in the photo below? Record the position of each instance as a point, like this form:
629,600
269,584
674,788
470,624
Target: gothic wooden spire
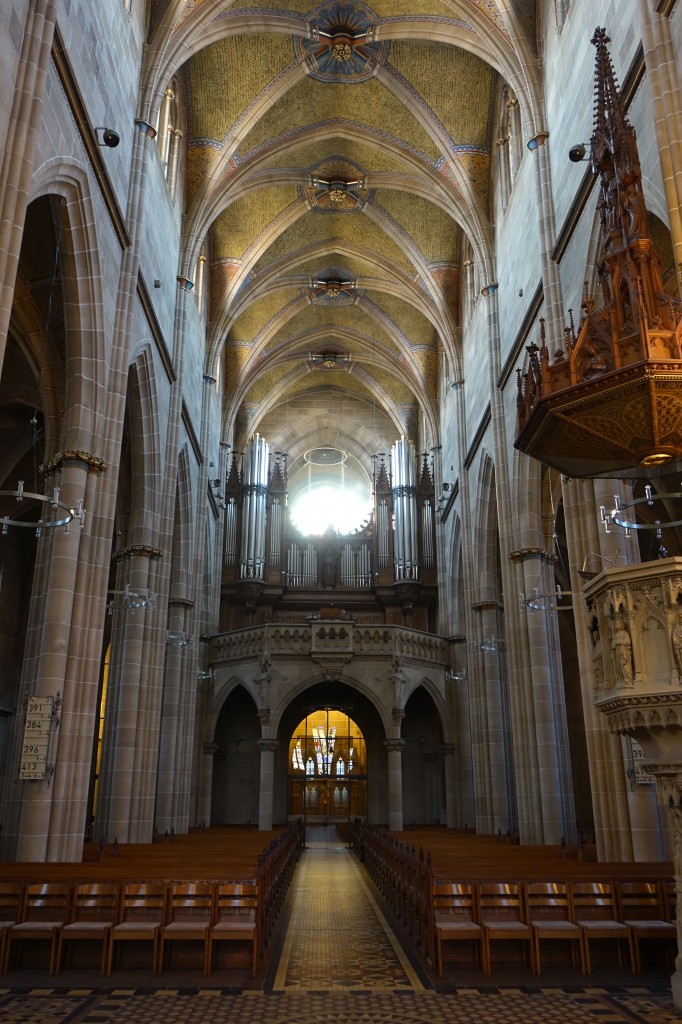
613,401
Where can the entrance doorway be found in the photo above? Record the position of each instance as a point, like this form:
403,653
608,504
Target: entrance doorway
327,768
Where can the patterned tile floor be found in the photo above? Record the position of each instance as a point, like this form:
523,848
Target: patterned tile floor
337,961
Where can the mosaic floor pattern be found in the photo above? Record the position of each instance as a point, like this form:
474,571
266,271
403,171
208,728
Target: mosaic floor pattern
337,938
462,1006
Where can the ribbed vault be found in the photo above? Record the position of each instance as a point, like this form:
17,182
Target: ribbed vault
338,157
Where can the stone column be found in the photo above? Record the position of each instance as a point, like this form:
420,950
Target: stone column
449,764
132,713
267,749
172,810
666,95
47,814
490,729
395,747
551,281
669,793
205,784
543,770
608,782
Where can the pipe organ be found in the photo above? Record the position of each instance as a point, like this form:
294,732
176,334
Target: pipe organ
387,568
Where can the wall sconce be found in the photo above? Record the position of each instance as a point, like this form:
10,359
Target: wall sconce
108,137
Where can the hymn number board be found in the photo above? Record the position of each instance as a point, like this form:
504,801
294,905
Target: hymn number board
37,732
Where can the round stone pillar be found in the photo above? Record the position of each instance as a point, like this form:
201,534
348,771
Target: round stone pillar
267,776
395,748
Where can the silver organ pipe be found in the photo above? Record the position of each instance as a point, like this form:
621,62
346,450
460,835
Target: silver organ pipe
255,478
231,532
301,565
404,490
275,532
382,528
427,534
347,566
364,566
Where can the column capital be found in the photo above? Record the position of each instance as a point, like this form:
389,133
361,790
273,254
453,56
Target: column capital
527,554
267,746
487,606
137,551
537,140
185,283
394,745
145,128
75,457
489,289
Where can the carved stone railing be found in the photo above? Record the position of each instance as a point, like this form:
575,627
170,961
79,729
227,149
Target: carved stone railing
333,637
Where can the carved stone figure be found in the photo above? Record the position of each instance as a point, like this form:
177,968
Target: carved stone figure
621,647
676,638
597,664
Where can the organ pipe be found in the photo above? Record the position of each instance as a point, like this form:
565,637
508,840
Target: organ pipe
382,528
404,490
231,532
427,534
255,487
275,532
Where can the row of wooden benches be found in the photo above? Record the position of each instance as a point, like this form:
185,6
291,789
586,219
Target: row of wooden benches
482,912
156,913
574,912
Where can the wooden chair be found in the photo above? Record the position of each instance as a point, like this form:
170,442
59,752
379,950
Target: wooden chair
455,919
189,917
642,910
595,914
44,914
141,915
503,918
11,894
550,916
235,919
92,918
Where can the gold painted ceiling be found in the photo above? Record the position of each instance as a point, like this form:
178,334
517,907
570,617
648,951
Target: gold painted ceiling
337,156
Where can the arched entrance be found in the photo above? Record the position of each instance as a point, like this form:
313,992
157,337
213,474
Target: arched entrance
328,705
327,767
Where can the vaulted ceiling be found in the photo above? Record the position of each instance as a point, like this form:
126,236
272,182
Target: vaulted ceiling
337,157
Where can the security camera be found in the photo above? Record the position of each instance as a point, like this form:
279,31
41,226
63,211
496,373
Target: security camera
577,153
109,138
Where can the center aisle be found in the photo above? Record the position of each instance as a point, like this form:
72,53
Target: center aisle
337,937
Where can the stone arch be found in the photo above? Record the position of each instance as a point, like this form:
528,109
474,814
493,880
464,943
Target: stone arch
236,760
83,298
372,718
423,755
142,417
487,531
183,533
